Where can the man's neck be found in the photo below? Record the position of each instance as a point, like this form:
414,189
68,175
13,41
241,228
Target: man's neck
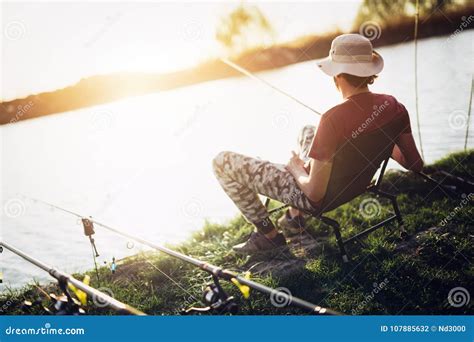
346,93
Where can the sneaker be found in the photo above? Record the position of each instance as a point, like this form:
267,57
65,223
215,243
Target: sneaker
260,244
291,226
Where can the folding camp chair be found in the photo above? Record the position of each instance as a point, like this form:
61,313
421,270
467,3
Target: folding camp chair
354,166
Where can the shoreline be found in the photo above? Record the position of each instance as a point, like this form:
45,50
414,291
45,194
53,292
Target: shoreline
102,89
440,233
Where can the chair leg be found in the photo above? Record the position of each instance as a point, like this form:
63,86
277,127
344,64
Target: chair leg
274,210
396,209
335,225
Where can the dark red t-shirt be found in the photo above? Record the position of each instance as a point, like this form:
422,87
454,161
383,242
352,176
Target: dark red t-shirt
359,114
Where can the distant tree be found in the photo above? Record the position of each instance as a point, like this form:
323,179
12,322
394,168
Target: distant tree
385,11
244,28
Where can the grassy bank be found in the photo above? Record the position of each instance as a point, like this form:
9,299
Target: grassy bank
387,274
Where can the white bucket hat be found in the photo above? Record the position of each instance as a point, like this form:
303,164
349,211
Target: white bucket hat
351,54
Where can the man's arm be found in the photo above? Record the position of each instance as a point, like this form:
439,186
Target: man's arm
314,183
406,153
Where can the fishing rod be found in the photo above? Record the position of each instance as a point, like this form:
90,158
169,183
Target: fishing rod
214,294
255,77
89,232
65,279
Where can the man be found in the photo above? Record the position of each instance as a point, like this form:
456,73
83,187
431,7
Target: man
302,183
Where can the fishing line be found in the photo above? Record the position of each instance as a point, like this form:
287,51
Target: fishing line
251,75
91,231
255,77
415,38
216,271
468,115
172,280
64,279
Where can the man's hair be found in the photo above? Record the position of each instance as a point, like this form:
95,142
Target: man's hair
359,82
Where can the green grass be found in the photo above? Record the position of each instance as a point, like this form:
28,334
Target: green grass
382,278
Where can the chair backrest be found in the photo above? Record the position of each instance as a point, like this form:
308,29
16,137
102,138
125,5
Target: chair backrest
355,164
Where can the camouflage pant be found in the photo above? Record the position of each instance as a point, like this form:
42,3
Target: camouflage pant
243,178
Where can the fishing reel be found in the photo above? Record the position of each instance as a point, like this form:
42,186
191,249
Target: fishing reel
27,307
217,300
64,304
61,307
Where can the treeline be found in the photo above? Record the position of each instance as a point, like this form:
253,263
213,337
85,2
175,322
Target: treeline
102,89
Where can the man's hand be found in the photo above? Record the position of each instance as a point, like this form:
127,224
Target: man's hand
312,180
296,165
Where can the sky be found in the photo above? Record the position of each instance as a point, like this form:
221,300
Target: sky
49,45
